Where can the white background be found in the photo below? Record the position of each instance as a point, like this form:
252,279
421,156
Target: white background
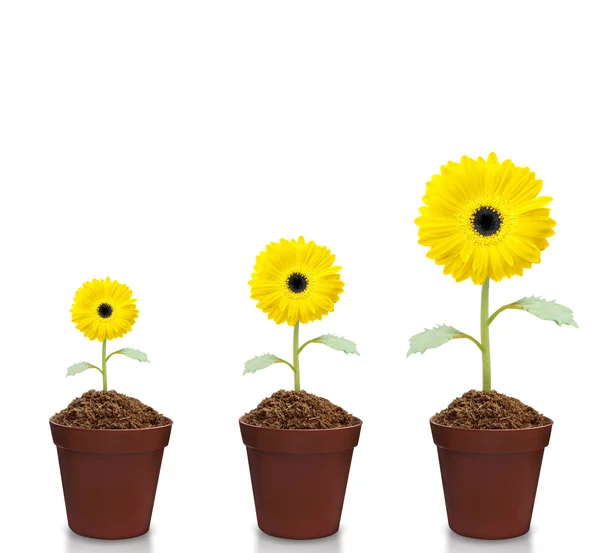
165,143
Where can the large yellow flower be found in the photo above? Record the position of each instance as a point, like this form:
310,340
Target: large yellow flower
104,309
295,281
484,218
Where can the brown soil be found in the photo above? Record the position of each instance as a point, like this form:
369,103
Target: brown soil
298,411
108,411
489,411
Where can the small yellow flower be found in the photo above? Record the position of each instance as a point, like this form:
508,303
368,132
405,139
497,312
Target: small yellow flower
295,281
484,218
104,309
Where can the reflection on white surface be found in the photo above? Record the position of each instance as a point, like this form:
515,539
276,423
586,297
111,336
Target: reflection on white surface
79,544
458,544
268,544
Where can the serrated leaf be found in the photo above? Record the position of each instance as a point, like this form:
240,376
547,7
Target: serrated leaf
337,343
261,362
79,368
433,338
134,354
547,310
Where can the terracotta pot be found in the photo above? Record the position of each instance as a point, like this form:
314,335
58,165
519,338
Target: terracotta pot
109,478
299,478
490,478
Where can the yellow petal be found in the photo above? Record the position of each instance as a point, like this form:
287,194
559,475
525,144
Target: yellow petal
467,250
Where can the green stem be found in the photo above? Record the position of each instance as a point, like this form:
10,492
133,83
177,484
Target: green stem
296,358
498,311
469,337
485,336
313,341
287,363
104,376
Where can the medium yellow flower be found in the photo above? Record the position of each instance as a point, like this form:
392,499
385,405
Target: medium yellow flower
484,218
104,309
295,281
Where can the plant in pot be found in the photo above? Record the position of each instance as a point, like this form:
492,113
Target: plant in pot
484,220
110,446
299,445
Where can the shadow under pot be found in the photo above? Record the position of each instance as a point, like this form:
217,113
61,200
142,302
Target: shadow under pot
110,478
490,478
299,478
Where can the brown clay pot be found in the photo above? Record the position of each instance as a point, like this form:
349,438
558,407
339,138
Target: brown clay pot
490,478
109,478
299,478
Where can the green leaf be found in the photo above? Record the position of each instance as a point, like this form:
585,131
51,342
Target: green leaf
547,310
133,354
433,338
261,362
79,368
337,343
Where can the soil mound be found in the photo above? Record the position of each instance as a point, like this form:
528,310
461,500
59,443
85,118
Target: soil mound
490,411
298,411
109,411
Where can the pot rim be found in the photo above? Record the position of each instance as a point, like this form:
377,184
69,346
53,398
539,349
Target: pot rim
52,423
301,430
433,423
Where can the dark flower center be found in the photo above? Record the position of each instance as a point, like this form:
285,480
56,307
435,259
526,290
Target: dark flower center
105,310
486,221
297,283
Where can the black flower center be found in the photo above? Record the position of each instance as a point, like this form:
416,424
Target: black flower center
297,283
486,221
105,310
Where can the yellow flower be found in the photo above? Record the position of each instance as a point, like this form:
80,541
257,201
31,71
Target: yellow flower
104,309
484,218
295,281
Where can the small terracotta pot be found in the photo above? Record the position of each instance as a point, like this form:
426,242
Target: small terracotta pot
299,478
109,478
490,478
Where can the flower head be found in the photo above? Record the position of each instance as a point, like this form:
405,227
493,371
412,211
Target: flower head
484,219
295,281
104,309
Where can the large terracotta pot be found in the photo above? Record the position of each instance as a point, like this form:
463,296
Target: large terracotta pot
490,478
109,478
299,478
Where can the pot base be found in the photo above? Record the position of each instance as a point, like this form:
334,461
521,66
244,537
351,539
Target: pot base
303,538
478,537
95,537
